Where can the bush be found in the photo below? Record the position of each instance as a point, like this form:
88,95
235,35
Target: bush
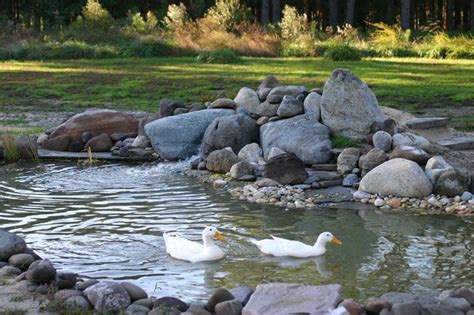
441,45
293,24
388,40
176,16
95,16
218,56
146,49
342,53
229,13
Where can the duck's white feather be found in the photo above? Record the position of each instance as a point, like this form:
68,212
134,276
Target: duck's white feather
180,248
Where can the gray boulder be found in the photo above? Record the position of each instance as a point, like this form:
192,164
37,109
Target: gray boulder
220,295
372,159
167,107
242,294
410,153
397,177
233,131
134,291
107,296
407,138
223,103
231,307
312,106
382,140
274,152
348,106
10,244
284,298
290,107
306,138
251,153
247,99
179,137
450,183
221,161
287,169
270,81
22,261
292,90
41,271
435,166
240,169
347,160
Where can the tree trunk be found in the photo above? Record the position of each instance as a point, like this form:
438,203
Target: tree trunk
265,17
405,14
333,14
390,12
350,12
276,11
449,15
440,12
458,4
471,15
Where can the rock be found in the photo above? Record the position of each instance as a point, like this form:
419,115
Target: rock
81,286
274,152
307,139
435,309
65,294
100,143
352,307
291,90
232,307
107,296
234,131
361,195
407,138
286,169
284,298
435,166
312,106
348,106
263,93
78,302
248,99
86,136
410,153
76,146
374,305
251,153
141,141
240,169
118,136
170,302
379,202
223,103
450,184
270,81
179,137
458,303
372,159
27,147
220,295
406,308
266,182
167,107
197,309
10,271
382,140
242,294
262,120
397,177
59,143
466,196
96,121
290,107
22,261
136,309
179,111
148,302
66,280
347,160
41,272
221,161
464,293
350,180
134,291
219,183
274,99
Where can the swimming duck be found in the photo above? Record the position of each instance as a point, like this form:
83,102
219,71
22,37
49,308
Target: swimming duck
283,247
180,248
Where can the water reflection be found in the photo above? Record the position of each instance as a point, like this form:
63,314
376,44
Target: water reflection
106,222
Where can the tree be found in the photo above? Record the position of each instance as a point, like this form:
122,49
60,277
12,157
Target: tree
449,15
265,14
390,12
276,11
350,12
405,14
333,14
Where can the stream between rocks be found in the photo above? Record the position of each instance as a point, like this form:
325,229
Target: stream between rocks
106,222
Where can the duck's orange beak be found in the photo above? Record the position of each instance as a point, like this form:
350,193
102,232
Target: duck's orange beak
219,236
334,240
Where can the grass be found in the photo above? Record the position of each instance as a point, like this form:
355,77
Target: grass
419,86
341,142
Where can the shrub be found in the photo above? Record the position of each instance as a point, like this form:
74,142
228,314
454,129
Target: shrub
441,45
146,49
218,56
387,40
229,13
95,16
342,53
293,24
176,16
137,22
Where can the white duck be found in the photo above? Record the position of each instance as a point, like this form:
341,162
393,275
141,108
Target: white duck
183,249
283,247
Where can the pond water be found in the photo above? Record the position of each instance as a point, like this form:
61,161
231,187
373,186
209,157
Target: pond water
106,222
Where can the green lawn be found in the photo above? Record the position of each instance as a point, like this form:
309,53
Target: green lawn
420,86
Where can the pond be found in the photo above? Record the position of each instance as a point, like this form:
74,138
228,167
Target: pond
106,222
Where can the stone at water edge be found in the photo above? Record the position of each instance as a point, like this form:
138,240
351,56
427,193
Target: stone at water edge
134,291
41,272
347,160
78,302
382,140
135,309
179,137
221,161
233,131
22,261
66,280
348,106
466,196
312,106
407,308
450,183
241,169
59,143
220,295
307,139
397,177
170,302
107,296
282,298
232,307
10,244
286,169
251,153
372,159
376,305
242,294
100,143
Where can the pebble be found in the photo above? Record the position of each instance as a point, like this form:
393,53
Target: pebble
466,196
219,183
361,195
379,202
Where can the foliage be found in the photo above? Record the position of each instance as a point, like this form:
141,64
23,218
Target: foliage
388,40
95,16
229,13
340,142
11,152
342,53
176,16
218,56
293,24
441,45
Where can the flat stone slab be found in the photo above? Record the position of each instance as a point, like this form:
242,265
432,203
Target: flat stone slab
427,123
47,154
326,175
286,298
324,167
458,143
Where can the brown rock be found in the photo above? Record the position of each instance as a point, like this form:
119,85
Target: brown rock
352,307
375,305
167,107
286,169
96,121
395,202
100,143
410,153
59,143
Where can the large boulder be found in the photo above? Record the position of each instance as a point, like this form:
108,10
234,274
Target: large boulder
286,298
221,161
372,159
234,131
397,177
41,272
59,143
251,153
436,166
308,139
287,169
348,106
312,106
96,121
179,137
107,296
100,143
10,244
247,99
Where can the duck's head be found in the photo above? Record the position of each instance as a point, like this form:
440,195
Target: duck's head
211,232
327,237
